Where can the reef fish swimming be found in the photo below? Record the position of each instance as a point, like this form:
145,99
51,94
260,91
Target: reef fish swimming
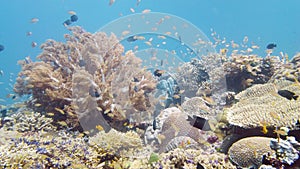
1,48
271,46
287,94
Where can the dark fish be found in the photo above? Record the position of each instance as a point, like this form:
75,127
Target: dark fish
199,166
135,79
154,124
158,72
74,18
287,94
271,46
1,48
81,63
94,93
199,123
131,39
33,44
67,22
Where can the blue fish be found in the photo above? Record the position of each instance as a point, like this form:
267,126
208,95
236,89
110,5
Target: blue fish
74,18
1,48
67,22
271,46
131,39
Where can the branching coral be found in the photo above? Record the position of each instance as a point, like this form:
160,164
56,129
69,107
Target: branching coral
110,79
289,71
125,144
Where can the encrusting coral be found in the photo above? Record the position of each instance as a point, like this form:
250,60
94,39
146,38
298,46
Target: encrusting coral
99,58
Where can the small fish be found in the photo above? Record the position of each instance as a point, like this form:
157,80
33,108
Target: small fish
223,51
283,131
50,114
111,2
74,18
37,104
72,12
1,72
161,37
287,94
33,44
264,127
9,95
81,63
34,20
131,39
271,46
139,37
154,125
59,110
126,32
176,96
274,115
28,60
62,123
158,72
146,11
99,109
168,33
1,47
148,43
28,33
138,2
99,127
132,10
67,22
255,47
199,123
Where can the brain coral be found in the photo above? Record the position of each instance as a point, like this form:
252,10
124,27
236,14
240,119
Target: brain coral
261,104
171,123
248,152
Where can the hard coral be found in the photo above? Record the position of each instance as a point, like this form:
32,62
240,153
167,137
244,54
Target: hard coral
108,76
261,105
242,71
249,152
289,71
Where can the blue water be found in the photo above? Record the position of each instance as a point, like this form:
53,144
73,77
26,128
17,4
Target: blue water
262,21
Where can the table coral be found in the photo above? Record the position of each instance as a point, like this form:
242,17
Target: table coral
261,104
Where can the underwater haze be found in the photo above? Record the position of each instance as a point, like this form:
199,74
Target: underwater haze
262,21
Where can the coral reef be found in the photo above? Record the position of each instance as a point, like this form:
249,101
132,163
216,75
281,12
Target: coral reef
44,150
191,76
170,123
110,78
180,158
248,152
127,144
286,152
242,71
28,121
261,105
289,71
